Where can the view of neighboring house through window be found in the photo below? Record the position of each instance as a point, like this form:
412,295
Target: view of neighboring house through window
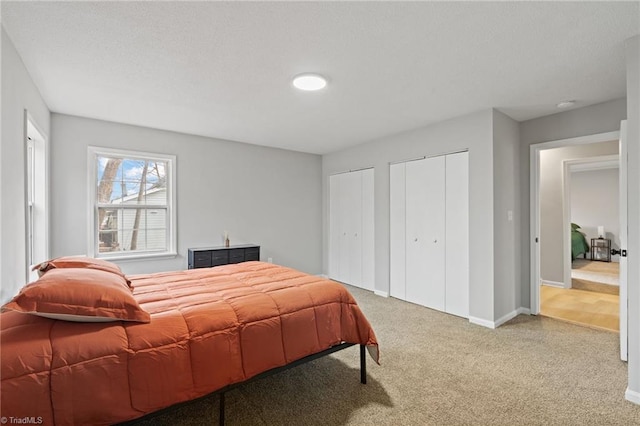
132,203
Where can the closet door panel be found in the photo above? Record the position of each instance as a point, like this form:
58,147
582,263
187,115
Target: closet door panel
435,239
457,234
425,204
416,250
345,220
353,213
335,227
368,230
351,228
397,231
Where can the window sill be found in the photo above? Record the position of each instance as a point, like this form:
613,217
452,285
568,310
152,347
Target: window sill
141,256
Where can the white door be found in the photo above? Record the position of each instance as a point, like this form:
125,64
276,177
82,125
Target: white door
353,229
397,231
344,233
425,254
368,230
623,241
335,228
457,234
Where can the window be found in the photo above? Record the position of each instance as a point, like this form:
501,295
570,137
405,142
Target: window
132,204
35,197
31,159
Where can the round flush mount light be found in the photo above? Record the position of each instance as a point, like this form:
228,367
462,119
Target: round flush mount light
566,104
309,82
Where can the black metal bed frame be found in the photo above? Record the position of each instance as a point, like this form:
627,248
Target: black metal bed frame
222,391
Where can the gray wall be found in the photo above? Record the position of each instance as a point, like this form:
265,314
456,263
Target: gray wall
18,93
595,201
506,152
261,195
552,200
473,132
594,119
633,181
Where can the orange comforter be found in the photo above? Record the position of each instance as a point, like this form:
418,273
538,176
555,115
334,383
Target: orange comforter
209,328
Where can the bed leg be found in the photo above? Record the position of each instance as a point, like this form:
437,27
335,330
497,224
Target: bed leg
222,409
363,366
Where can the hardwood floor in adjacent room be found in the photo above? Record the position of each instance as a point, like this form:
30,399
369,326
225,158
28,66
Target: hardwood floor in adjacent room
588,308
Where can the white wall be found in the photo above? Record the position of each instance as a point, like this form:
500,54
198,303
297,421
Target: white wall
594,119
595,201
552,199
18,94
473,132
266,196
633,208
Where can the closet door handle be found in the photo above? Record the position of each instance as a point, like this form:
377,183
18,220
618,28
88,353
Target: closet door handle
415,240
435,241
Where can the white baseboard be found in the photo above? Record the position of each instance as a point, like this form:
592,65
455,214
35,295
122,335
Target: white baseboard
381,293
553,283
632,396
482,322
495,324
325,276
511,315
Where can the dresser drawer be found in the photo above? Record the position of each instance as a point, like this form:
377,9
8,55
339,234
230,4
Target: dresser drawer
252,253
202,259
236,255
220,257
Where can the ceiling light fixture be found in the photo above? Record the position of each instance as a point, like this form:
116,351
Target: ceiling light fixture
309,82
566,104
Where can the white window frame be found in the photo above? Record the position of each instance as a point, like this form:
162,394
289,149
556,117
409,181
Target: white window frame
36,181
92,231
30,183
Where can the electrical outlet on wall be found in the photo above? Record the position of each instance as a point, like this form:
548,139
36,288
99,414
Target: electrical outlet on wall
270,260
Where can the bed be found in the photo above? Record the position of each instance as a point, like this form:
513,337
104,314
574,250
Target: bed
578,243
183,335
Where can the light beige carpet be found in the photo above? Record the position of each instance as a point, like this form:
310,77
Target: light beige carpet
441,370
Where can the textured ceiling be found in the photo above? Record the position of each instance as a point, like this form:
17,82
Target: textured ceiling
224,69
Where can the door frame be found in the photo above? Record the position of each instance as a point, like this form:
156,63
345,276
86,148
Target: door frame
534,206
624,240
600,162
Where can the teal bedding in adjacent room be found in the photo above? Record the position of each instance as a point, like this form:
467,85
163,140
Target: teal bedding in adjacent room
578,242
